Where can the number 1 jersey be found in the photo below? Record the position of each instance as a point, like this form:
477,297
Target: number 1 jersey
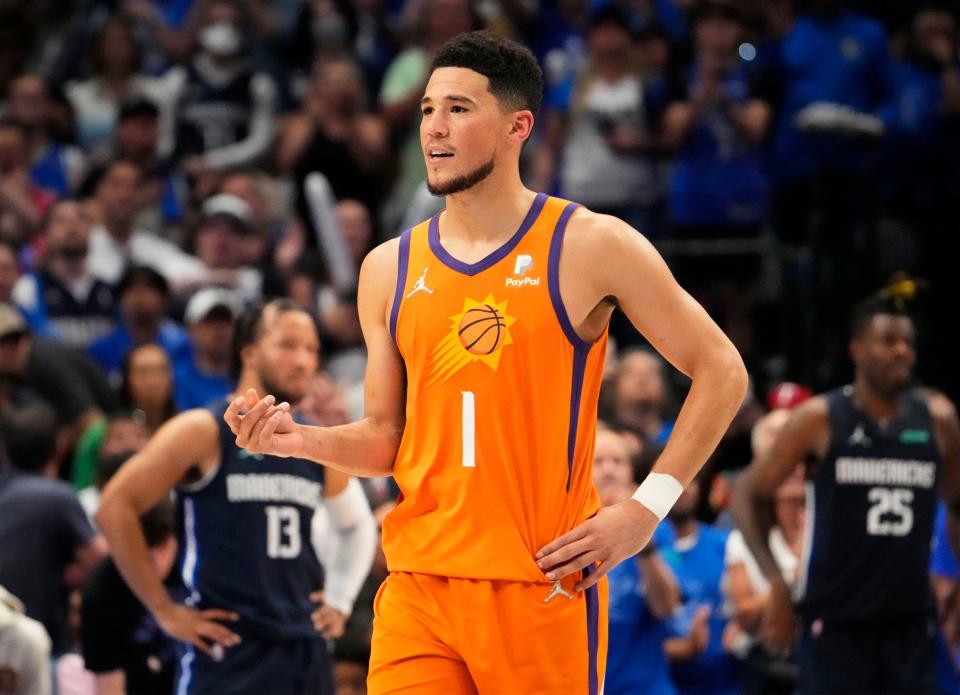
501,405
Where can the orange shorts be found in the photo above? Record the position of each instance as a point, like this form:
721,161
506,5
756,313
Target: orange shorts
443,636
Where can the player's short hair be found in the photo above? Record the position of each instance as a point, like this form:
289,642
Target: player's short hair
30,435
875,305
516,79
249,327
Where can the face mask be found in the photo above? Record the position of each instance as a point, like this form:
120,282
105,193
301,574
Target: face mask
220,39
329,31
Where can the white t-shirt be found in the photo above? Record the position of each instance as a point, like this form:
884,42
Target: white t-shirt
592,172
737,553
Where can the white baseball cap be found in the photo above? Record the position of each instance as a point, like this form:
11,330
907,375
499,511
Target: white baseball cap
206,300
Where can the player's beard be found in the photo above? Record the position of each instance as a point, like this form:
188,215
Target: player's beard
272,387
464,182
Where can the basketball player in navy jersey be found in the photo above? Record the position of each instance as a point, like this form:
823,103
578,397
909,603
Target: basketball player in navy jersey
249,625
876,454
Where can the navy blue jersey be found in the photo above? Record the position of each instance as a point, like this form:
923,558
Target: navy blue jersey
246,544
871,505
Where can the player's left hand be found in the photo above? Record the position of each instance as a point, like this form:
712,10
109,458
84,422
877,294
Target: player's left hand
614,534
327,620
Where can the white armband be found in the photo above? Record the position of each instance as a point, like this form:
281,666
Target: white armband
350,554
658,493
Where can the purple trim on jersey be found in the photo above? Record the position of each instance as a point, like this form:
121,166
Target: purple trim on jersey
576,390
402,262
553,278
581,348
593,633
495,256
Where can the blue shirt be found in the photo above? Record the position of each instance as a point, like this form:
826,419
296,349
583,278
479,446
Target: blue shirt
718,177
942,560
50,171
944,564
699,569
636,663
193,388
110,350
920,145
843,60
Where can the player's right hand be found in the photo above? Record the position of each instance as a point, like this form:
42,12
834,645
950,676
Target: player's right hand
199,628
264,427
779,621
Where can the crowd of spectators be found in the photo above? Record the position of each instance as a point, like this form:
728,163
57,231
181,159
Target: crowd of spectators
158,164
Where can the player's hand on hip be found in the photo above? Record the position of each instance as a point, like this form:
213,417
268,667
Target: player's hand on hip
202,629
263,426
327,620
779,622
614,534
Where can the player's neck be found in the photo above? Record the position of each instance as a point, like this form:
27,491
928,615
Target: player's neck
878,406
490,212
249,381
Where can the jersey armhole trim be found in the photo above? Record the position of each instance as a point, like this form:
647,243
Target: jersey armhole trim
403,257
207,478
553,278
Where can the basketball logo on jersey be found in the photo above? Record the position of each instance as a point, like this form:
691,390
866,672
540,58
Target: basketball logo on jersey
477,334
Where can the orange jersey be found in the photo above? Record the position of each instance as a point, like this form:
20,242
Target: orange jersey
496,457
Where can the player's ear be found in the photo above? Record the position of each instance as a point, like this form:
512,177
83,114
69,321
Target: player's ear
855,348
521,125
247,353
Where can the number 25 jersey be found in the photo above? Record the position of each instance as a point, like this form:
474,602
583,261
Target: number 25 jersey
871,505
501,406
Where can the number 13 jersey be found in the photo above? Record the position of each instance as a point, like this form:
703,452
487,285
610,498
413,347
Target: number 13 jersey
501,405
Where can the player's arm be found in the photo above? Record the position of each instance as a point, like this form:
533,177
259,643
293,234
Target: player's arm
805,434
365,448
187,440
947,431
350,554
634,274
607,261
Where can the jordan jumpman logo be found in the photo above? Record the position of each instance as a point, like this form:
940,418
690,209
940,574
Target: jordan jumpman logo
421,284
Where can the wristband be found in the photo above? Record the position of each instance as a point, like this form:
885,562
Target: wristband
658,493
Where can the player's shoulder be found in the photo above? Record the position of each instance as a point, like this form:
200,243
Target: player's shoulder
811,416
941,407
198,426
378,272
593,232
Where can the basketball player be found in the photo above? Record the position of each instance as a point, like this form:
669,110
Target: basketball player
247,555
486,328
875,453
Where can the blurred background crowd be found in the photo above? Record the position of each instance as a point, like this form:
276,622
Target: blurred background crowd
786,156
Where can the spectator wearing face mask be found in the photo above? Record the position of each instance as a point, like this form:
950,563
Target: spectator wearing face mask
225,108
